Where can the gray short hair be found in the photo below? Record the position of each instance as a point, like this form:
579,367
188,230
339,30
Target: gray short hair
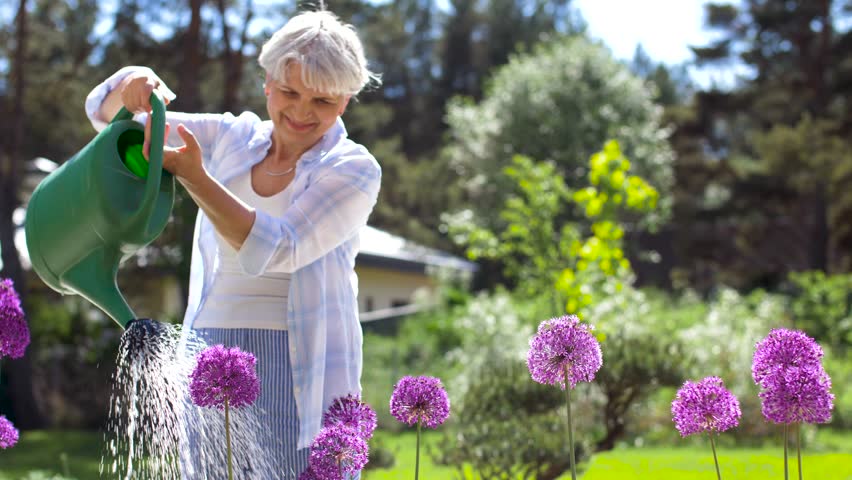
329,51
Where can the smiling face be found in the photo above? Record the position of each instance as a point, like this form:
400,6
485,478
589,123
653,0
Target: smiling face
301,115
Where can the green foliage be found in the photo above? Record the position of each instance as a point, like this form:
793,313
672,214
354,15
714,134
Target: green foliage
641,353
776,142
722,344
822,307
507,426
838,365
73,350
577,260
814,159
531,244
557,103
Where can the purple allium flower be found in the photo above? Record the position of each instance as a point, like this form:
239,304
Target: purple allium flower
798,395
8,433
308,474
705,406
335,451
564,342
782,349
224,374
14,333
350,411
420,399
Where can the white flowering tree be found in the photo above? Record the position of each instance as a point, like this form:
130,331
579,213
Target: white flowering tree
558,103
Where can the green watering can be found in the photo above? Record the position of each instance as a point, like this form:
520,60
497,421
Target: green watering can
98,209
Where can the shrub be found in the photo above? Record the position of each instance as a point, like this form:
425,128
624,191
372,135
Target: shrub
822,307
508,426
640,354
723,342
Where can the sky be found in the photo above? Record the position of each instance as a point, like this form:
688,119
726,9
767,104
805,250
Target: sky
623,24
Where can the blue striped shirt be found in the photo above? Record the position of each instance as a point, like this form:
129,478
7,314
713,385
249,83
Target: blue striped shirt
335,187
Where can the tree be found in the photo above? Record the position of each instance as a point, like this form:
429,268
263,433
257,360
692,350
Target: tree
26,411
557,103
778,141
672,84
233,58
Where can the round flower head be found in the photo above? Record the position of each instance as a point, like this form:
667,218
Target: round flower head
351,412
308,474
564,342
224,374
420,399
798,395
705,406
14,333
781,349
8,433
335,451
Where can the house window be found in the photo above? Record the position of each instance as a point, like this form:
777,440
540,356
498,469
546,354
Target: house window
369,304
398,303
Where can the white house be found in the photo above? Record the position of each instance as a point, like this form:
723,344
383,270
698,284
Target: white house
393,272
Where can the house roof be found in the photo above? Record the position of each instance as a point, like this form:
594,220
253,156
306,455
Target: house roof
383,249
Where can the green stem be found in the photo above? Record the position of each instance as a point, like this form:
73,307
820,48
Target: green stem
786,473
799,447
715,459
228,440
570,425
417,457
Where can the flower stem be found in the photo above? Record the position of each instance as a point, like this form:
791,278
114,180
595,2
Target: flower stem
786,473
715,459
417,457
228,440
570,426
799,447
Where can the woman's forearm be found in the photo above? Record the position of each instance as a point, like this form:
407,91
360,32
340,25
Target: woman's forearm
144,82
232,218
111,105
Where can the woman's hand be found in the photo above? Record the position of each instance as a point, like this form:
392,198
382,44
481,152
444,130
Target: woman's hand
137,88
183,162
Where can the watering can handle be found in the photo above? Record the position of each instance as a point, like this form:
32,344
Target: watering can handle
155,157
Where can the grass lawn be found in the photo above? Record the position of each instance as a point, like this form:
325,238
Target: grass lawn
656,463
54,452
695,464
78,453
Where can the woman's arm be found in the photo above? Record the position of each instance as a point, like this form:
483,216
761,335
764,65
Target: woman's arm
231,217
332,209
130,87
329,212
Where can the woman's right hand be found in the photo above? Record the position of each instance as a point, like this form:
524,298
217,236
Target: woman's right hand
137,88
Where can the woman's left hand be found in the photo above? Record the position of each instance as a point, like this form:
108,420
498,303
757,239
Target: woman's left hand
183,162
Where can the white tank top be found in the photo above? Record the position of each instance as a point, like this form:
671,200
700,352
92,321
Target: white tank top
239,300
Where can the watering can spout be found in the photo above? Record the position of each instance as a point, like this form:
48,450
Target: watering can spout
94,278
99,208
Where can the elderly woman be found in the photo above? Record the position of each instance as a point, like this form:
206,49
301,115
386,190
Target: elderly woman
281,204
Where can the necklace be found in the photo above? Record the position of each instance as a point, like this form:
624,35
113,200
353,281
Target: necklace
278,174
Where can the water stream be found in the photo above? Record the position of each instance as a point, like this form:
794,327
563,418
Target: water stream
156,433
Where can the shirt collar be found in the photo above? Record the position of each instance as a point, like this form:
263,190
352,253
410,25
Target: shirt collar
262,138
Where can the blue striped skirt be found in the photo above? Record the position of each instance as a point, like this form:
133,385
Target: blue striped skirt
264,436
